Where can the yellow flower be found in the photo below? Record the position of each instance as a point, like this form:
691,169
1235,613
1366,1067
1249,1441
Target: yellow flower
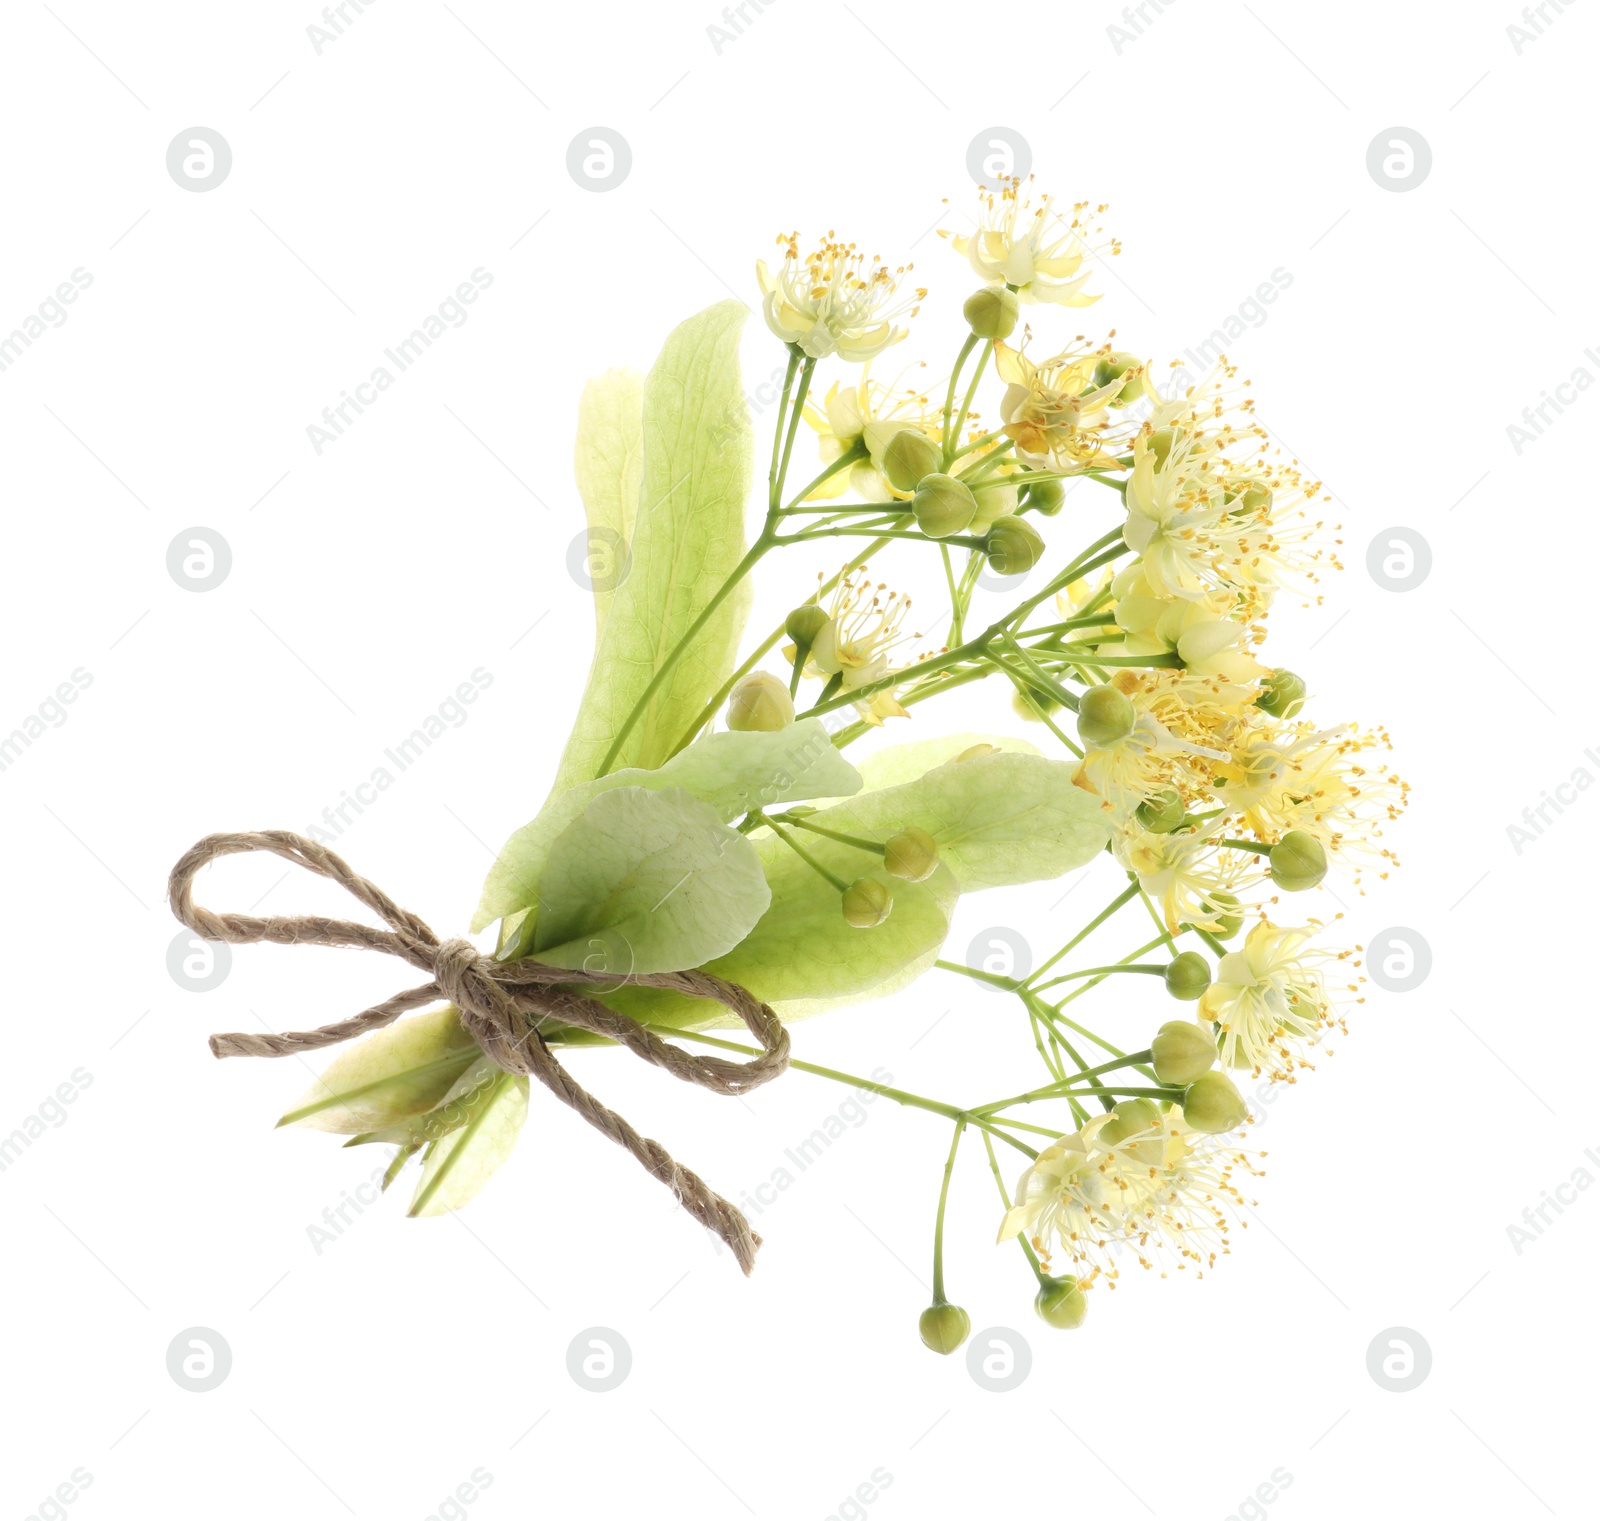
1052,413
834,301
865,414
1163,1193
1280,777
1266,996
1188,875
864,627
1036,252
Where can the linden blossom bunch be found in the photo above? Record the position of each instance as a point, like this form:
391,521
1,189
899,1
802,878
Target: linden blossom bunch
759,852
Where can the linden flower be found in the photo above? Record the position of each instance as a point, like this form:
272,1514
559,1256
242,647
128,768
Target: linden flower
1280,777
865,414
1038,254
1050,410
833,301
1265,995
1151,756
864,626
1185,872
1161,1192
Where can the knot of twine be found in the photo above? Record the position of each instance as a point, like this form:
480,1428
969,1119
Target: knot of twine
502,1005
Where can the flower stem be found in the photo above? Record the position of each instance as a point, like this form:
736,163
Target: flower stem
938,1219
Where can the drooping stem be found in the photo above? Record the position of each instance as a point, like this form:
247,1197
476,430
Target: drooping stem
938,1219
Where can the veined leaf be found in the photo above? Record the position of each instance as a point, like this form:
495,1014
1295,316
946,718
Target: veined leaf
608,461
387,1076
459,1164
688,537
731,772
645,881
896,764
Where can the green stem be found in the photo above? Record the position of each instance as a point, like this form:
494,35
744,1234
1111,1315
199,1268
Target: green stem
871,846
938,1219
739,572
1084,933
950,395
1005,1199
806,856
773,485
1149,969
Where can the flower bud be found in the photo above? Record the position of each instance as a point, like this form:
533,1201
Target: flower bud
974,752
991,312
1130,1117
1114,367
1045,496
1161,442
912,855
1211,1104
1188,975
1282,694
1298,861
1034,704
1181,1051
867,903
910,456
943,505
761,701
1161,812
1061,1303
1105,717
804,624
944,1327
1013,545
1228,914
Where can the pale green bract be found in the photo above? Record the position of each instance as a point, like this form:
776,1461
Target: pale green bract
390,1076
458,1164
645,881
688,538
608,461
998,820
733,773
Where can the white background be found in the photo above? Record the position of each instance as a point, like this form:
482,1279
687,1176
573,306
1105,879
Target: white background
374,1377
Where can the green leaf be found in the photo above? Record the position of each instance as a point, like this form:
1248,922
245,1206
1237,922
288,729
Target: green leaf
895,764
802,957
389,1075
645,881
608,461
997,819
457,1165
451,1113
688,537
732,772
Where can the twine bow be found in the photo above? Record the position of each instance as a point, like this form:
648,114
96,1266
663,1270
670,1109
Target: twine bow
502,1005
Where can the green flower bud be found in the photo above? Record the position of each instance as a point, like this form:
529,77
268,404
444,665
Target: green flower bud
1211,1104
1105,716
1282,694
867,903
910,456
1114,367
1298,861
912,855
1061,1303
1251,498
944,1327
1045,496
761,701
991,312
1161,442
1161,812
1229,915
943,505
1188,975
1013,545
1181,1051
804,624
1033,704
1130,1117
973,752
